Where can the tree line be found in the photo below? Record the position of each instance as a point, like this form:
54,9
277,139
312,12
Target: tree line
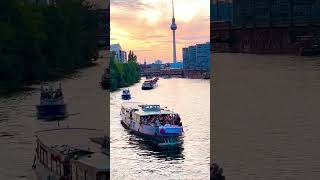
124,74
39,42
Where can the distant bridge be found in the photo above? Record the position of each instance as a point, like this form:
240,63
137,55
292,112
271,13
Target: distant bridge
193,74
163,72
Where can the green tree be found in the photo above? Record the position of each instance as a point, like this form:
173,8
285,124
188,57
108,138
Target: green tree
41,42
124,74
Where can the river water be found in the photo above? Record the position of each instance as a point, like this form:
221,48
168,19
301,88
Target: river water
135,158
87,104
266,116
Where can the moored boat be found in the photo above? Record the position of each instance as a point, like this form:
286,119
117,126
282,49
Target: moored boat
151,121
126,94
71,154
52,104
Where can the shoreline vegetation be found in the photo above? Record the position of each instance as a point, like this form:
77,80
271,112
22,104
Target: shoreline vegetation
124,74
40,43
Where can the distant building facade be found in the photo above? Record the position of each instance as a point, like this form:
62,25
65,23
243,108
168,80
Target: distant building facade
221,10
196,57
118,53
176,65
158,61
261,13
265,26
185,57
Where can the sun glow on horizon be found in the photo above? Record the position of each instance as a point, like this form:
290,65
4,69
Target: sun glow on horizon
144,27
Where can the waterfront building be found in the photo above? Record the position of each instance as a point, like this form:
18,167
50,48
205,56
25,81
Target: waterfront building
203,57
118,53
176,65
197,57
158,61
185,57
262,13
192,57
221,10
264,26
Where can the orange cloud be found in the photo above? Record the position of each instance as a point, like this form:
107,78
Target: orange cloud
144,26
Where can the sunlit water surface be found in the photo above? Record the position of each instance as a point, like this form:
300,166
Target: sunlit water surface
135,158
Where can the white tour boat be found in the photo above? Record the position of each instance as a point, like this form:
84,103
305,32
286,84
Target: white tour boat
71,154
152,121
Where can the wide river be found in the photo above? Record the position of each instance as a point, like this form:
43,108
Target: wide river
87,104
135,158
266,116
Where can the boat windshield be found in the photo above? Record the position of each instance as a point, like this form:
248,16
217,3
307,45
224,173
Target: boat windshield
151,108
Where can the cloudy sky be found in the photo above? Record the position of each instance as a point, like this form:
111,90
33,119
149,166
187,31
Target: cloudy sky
144,26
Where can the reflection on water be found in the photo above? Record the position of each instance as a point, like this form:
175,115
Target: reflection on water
133,157
266,116
86,102
148,148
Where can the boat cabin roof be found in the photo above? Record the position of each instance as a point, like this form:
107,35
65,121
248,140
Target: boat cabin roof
73,137
146,109
86,144
97,160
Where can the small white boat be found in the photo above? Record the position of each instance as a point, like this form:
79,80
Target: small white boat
126,94
149,84
52,104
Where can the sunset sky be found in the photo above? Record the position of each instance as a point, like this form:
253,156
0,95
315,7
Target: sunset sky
144,26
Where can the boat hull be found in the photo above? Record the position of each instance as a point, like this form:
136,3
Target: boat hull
52,112
126,97
146,88
149,87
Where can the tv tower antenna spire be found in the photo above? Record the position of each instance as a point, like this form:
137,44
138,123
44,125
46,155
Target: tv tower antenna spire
174,27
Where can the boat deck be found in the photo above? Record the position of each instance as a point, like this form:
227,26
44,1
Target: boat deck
71,140
141,112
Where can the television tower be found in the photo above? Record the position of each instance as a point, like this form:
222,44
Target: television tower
173,27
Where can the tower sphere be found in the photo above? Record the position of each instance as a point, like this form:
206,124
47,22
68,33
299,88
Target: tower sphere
173,26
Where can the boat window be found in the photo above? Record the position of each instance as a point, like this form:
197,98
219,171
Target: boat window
151,108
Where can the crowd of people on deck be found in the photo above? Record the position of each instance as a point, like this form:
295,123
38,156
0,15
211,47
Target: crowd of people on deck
163,119
51,93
